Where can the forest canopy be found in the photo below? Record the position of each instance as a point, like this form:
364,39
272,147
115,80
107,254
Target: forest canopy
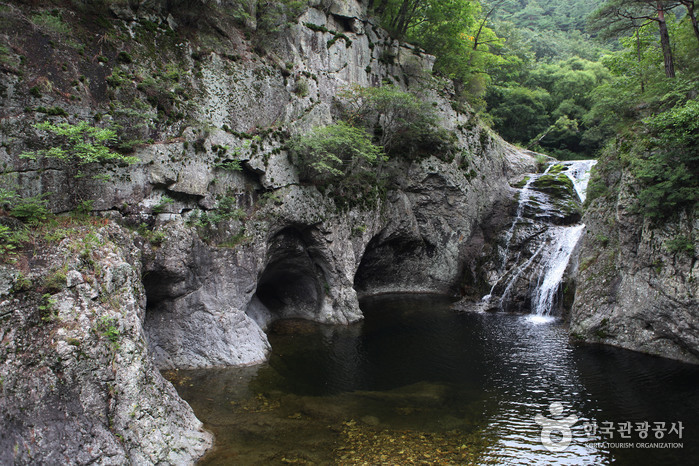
557,76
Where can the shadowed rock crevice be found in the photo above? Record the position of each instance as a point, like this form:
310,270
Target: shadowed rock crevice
385,264
293,282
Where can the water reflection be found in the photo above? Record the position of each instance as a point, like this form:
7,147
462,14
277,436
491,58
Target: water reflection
414,369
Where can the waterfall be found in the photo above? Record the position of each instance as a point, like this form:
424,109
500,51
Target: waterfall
551,245
579,173
524,196
553,266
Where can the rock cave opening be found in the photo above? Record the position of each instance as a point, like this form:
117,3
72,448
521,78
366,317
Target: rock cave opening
386,266
292,284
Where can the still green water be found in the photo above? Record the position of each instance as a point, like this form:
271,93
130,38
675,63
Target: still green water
416,383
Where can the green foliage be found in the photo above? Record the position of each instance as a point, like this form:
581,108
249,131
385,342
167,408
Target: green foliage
9,241
230,165
235,240
548,105
336,35
108,327
132,124
124,58
156,238
82,147
82,144
164,91
518,113
48,308
270,197
681,245
164,202
22,283
328,153
56,281
402,123
554,29
84,208
226,210
51,23
455,31
32,209
301,87
276,16
666,162
342,161
52,111
639,86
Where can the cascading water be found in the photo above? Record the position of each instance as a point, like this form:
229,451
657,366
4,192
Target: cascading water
579,173
525,196
550,244
554,266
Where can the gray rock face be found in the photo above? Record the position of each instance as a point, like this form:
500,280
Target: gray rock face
78,385
633,290
224,252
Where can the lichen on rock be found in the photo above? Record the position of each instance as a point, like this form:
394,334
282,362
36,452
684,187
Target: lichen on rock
78,385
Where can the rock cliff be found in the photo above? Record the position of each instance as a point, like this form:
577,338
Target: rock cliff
219,253
636,288
77,383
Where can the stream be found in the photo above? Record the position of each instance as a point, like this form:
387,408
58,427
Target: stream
418,382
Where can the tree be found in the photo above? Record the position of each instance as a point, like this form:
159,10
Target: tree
477,37
518,113
689,5
617,17
401,122
341,161
668,168
444,28
329,153
83,150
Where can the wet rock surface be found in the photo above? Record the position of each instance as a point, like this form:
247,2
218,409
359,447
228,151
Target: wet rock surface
531,262
195,290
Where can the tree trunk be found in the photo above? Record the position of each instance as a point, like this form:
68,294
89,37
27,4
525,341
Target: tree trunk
665,42
638,57
381,7
690,11
401,18
408,19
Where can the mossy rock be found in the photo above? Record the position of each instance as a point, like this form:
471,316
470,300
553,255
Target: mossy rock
521,183
556,169
561,196
557,185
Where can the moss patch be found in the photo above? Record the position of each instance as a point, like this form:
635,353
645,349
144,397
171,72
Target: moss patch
558,185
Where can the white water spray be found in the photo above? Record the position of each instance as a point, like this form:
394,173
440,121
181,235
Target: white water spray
579,173
553,266
554,254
